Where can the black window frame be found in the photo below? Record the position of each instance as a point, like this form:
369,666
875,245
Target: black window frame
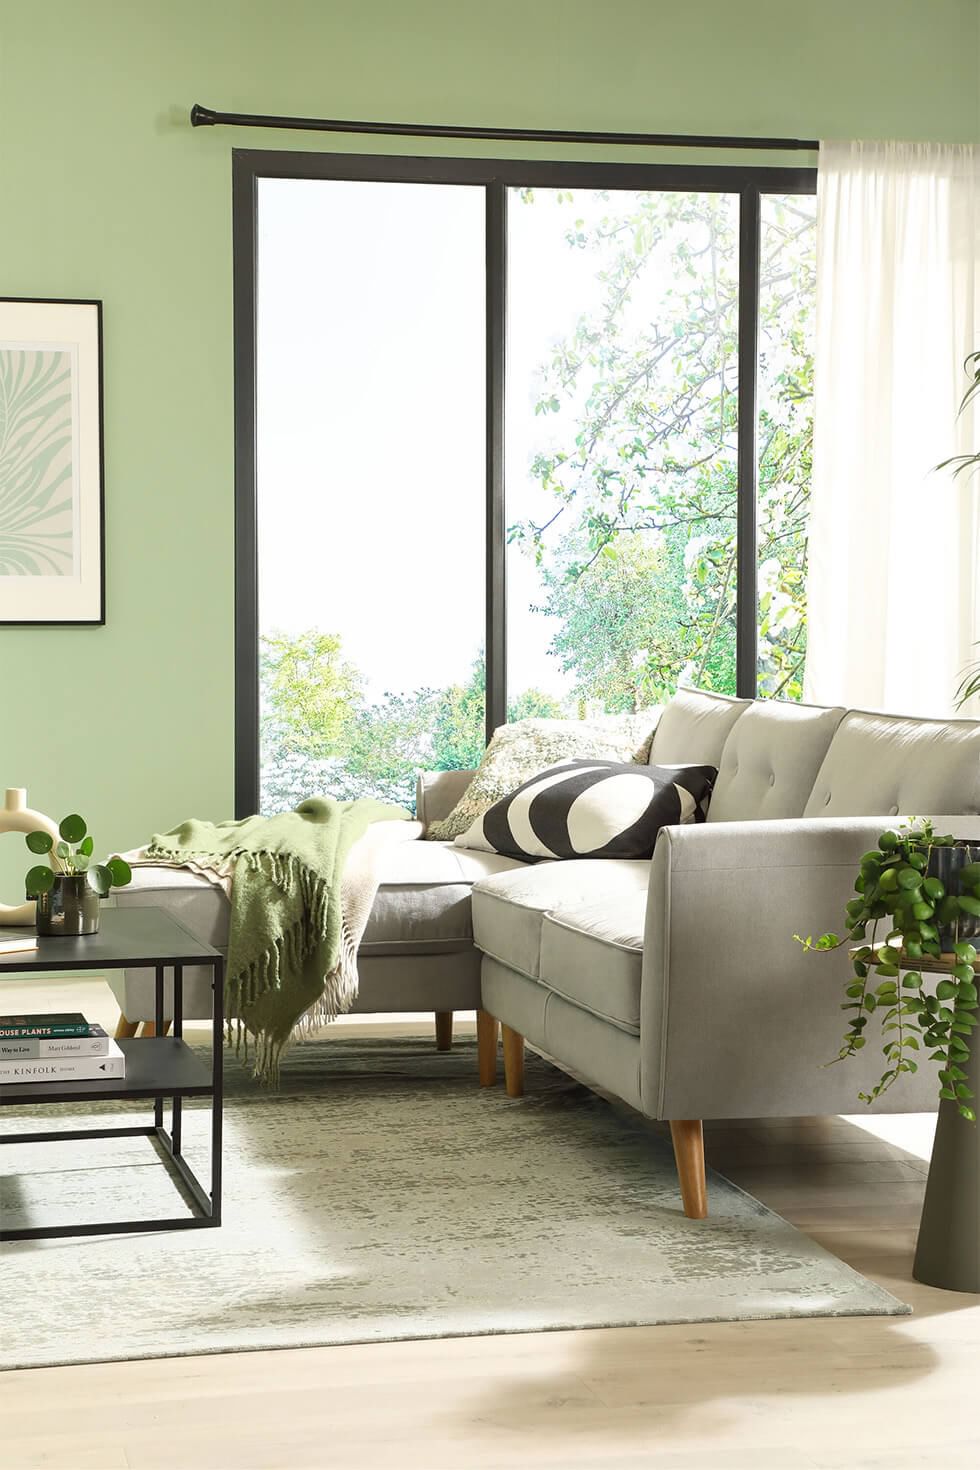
249,166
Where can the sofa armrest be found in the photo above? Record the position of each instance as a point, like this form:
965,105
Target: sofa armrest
735,1019
437,792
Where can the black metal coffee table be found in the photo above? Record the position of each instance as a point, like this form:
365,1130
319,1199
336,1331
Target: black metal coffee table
157,1067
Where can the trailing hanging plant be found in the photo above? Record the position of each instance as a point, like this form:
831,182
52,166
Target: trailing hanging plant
918,1007
73,857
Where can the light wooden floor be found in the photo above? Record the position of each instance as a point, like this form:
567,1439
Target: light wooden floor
855,1393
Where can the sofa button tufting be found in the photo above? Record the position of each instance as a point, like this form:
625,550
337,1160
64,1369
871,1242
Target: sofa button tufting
826,800
893,812
772,778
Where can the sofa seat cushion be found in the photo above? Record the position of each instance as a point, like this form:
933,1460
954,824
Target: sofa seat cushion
509,909
422,904
423,899
594,957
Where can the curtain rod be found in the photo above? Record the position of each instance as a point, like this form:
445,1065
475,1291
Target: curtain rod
207,117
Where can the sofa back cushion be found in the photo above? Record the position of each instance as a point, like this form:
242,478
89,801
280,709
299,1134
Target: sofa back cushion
771,759
886,765
694,727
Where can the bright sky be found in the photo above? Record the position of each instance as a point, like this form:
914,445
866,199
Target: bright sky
371,419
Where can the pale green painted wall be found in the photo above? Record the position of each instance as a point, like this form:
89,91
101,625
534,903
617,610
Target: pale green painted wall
106,191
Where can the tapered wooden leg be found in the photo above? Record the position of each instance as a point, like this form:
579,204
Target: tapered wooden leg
149,1028
688,1139
444,1030
487,1031
513,1061
125,1028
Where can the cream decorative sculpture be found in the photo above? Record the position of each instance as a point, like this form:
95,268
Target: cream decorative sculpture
17,816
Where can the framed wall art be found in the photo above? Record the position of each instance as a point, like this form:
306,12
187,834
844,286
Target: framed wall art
52,538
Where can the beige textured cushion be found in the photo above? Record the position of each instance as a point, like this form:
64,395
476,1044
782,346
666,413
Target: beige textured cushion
694,727
771,759
884,765
520,750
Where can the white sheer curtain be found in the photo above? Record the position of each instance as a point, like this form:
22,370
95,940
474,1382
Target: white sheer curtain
893,559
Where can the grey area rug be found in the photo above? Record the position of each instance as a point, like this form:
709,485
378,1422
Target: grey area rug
381,1194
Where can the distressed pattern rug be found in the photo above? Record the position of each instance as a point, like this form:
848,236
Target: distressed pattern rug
381,1194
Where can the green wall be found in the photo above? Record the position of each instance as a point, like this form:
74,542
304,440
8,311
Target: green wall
106,191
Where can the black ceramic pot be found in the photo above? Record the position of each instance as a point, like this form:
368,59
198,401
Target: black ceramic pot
71,906
945,864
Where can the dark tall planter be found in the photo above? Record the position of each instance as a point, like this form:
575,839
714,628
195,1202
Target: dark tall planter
71,906
948,1249
945,864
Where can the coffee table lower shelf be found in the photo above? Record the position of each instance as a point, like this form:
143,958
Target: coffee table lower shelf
157,1068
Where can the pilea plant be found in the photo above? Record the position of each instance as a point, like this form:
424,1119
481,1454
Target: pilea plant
73,856
895,885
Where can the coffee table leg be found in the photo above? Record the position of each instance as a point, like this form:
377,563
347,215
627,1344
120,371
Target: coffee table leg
158,1102
217,1079
176,1103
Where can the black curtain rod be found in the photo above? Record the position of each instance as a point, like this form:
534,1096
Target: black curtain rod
206,117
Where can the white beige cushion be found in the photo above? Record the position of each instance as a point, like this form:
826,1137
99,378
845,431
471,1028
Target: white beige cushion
889,765
509,909
694,727
771,759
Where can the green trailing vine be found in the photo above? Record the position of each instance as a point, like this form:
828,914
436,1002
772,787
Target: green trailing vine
894,884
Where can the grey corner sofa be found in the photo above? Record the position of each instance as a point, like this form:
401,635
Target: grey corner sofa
674,984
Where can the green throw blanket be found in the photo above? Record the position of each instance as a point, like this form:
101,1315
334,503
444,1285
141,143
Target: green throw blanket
285,937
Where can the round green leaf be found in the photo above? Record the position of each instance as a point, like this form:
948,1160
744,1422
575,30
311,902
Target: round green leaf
39,880
99,878
39,842
119,871
908,877
73,828
80,862
62,850
888,841
86,847
933,888
965,952
969,905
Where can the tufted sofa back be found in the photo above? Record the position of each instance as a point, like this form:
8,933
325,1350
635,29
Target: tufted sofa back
777,759
771,759
890,764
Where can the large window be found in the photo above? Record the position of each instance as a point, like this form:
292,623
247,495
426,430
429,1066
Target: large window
513,439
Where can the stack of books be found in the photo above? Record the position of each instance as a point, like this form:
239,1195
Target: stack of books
57,1048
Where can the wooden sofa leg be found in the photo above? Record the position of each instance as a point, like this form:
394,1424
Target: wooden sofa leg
124,1028
150,1029
444,1030
513,1061
688,1139
487,1031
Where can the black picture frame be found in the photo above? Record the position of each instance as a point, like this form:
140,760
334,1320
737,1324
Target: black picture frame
17,327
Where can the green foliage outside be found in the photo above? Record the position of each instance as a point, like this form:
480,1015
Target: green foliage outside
636,555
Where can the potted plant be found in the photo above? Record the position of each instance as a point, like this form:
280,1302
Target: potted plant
914,969
69,887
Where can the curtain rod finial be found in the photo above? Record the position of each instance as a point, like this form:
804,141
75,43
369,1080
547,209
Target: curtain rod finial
202,117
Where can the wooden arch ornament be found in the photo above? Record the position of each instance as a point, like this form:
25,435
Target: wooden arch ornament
17,816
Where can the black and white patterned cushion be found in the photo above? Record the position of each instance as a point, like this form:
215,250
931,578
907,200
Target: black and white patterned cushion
592,808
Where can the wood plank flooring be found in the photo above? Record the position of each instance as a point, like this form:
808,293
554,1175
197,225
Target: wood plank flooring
823,1394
